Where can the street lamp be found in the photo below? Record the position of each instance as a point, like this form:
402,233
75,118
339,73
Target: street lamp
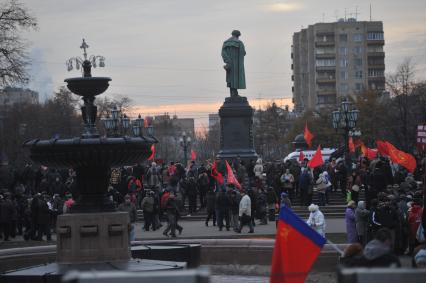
119,124
185,143
345,118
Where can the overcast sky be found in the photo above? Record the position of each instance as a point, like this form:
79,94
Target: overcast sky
165,54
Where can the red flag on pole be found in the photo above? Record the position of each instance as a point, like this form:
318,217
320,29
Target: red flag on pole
231,177
296,248
193,154
351,145
308,135
316,159
402,158
216,174
301,157
152,153
145,122
382,147
368,152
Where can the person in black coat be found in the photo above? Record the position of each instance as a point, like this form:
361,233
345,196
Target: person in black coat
211,206
222,209
7,214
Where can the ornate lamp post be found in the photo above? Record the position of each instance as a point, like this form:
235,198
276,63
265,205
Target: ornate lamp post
345,118
185,143
116,125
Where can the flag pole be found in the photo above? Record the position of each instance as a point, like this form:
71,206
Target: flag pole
335,247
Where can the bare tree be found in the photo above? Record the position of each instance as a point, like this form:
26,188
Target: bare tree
401,85
14,18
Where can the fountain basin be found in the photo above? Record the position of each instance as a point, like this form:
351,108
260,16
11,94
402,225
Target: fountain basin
90,152
88,86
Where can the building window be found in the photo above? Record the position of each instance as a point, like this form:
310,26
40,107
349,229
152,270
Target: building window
344,63
325,62
344,88
375,36
324,50
344,75
357,37
358,87
357,61
343,37
376,73
358,50
375,48
358,74
326,99
343,50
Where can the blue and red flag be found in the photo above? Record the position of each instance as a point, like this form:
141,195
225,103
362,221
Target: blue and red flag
296,248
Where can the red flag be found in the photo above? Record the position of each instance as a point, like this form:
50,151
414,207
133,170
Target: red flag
301,157
351,145
231,177
152,153
368,152
308,135
193,154
382,147
296,248
316,159
145,122
402,158
216,174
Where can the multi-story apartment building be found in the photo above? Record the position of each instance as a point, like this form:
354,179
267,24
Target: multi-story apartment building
14,95
335,60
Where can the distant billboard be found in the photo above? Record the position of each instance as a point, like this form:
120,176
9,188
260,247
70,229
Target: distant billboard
421,137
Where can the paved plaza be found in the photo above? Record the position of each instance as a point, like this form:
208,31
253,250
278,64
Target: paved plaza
198,229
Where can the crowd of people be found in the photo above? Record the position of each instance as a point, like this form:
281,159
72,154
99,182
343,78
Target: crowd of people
32,197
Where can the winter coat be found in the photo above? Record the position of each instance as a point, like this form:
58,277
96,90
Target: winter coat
378,254
222,201
258,170
361,220
351,231
414,219
211,201
245,206
43,212
7,211
317,222
148,204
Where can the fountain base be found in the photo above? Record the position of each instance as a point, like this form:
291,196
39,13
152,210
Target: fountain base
93,237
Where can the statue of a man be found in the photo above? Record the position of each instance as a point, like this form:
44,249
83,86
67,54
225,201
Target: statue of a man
233,53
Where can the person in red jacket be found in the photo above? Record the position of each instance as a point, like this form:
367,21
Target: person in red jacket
134,186
414,220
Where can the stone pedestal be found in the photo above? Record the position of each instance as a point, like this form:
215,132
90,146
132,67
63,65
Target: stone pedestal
236,129
93,237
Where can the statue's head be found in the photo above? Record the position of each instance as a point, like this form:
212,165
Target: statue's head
236,33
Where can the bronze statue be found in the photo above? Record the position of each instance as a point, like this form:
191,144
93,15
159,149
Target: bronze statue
233,53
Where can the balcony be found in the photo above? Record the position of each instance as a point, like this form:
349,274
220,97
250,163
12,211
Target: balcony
319,43
376,79
326,92
375,42
376,65
326,79
325,55
326,68
376,54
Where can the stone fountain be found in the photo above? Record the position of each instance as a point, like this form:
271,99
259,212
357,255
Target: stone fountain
93,236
